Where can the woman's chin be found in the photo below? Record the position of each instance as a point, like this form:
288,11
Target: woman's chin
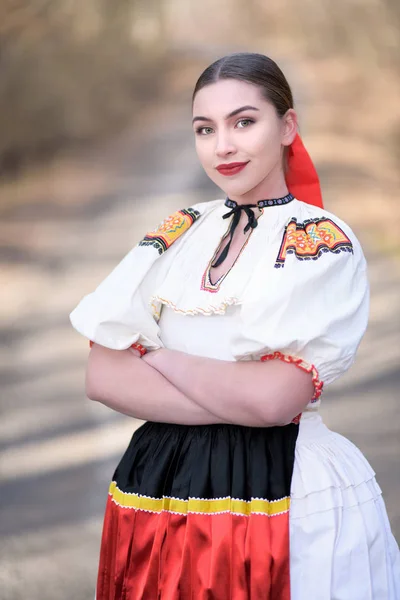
236,191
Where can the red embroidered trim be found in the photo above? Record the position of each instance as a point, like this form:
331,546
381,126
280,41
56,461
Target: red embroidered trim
296,420
206,284
136,346
140,348
304,366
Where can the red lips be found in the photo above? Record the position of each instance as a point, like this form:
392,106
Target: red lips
231,168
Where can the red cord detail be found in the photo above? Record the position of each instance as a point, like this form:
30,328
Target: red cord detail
304,366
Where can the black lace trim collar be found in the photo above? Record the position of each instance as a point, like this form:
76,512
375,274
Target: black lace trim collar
264,203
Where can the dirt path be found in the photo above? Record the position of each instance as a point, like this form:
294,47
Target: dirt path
62,233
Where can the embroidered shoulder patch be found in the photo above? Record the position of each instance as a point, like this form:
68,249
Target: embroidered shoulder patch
312,238
170,229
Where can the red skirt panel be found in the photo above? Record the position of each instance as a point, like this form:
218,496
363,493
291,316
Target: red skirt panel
200,556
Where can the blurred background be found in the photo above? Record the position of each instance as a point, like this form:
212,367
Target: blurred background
96,148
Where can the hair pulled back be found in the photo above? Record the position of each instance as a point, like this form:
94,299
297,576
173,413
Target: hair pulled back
253,68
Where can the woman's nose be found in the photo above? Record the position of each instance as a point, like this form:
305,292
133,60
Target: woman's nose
224,145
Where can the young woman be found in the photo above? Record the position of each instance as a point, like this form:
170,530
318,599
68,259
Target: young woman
220,329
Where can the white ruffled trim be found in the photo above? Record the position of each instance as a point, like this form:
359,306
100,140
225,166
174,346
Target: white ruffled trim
340,539
330,471
207,310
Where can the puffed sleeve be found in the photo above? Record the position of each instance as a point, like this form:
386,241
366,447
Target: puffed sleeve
117,313
310,311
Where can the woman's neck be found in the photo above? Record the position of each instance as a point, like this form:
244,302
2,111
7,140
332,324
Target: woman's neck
271,187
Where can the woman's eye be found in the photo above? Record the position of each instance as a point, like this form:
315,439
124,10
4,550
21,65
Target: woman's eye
244,123
204,130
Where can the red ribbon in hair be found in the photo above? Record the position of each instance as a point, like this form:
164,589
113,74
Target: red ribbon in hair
301,176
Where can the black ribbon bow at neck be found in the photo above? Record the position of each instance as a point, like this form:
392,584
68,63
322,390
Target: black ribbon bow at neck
236,212
252,221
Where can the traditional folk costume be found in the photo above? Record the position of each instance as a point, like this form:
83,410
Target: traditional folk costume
228,511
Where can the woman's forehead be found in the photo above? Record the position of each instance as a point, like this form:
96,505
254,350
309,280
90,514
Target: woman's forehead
224,96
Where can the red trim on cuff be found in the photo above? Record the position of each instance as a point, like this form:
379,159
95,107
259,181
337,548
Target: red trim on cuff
136,346
301,364
140,348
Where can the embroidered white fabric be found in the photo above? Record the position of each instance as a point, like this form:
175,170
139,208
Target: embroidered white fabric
317,310
314,308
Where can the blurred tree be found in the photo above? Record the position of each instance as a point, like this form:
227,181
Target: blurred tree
71,71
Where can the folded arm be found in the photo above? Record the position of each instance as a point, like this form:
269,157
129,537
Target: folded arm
247,393
125,383
174,387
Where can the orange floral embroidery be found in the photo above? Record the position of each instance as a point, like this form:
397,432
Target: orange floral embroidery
301,364
170,229
311,239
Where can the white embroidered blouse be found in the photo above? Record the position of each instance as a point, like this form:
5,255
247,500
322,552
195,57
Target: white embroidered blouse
298,291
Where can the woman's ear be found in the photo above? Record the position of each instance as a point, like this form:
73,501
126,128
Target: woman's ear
289,130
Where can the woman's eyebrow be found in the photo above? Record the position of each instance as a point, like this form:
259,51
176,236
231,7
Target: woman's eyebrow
230,115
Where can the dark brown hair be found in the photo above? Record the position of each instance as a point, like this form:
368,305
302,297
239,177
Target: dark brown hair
252,68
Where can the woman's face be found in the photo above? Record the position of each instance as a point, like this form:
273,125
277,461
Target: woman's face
240,138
